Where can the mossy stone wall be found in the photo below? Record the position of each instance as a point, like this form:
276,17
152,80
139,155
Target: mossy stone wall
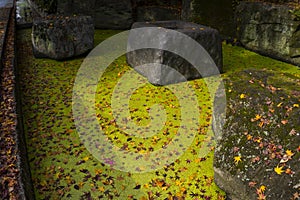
214,13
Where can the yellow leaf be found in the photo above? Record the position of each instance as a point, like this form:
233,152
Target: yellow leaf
86,158
80,184
249,137
44,183
57,175
242,96
178,183
289,153
280,104
257,117
296,105
101,189
191,177
237,159
278,169
262,188
98,171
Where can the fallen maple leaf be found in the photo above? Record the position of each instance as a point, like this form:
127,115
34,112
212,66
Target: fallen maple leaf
261,124
284,159
278,169
292,132
257,117
296,195
289,153
260,192
288,171
258,140
280,104
242,96
252,184
261,196
262,188
237,159
249,137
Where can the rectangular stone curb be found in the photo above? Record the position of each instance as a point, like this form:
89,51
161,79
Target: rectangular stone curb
4,16
22,188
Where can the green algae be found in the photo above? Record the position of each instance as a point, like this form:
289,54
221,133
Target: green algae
61,166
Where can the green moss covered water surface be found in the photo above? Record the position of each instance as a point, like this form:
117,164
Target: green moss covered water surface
61,166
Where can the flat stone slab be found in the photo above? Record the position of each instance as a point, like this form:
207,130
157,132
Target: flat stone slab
62,37
168,65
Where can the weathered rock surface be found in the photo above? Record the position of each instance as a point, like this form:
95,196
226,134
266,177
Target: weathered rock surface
262,126
213,13
156,13
107,14
156,10
269,29
70,7
158,74
113,14
62,37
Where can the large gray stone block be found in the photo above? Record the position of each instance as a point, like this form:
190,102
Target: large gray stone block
269,29
158,73
62,37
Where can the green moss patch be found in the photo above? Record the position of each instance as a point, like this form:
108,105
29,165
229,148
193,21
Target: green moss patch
61,166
